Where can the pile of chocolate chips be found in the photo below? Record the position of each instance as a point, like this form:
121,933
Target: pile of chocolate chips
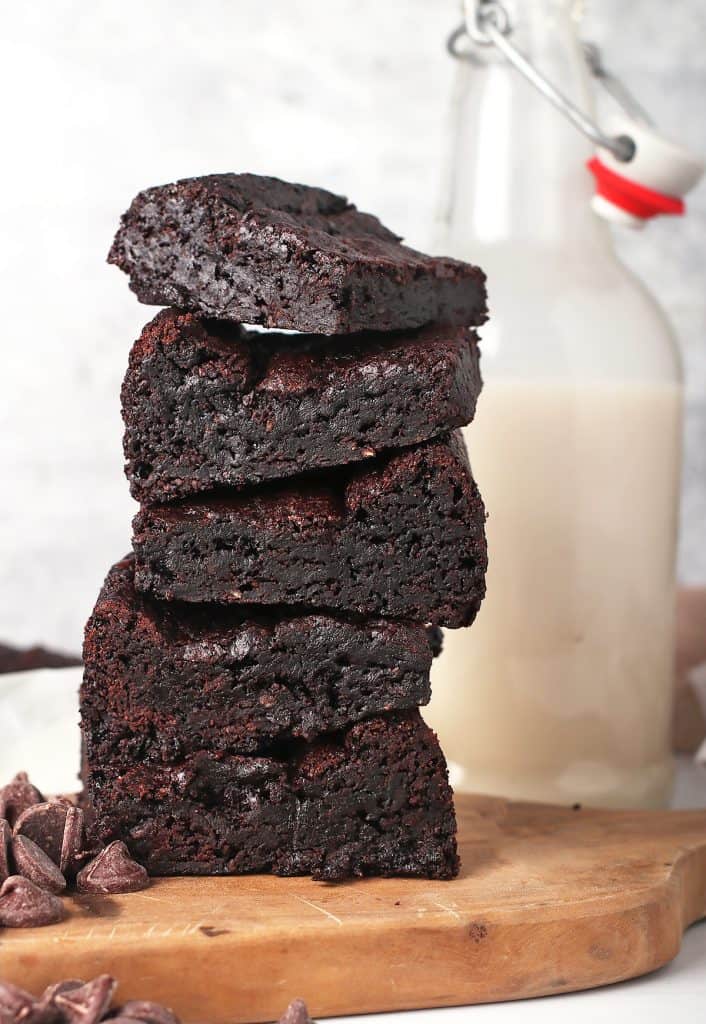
43,851
75,1002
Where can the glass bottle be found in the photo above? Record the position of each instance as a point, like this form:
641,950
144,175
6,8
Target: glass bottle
562,689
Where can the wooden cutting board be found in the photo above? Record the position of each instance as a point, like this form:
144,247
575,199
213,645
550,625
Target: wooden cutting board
549,900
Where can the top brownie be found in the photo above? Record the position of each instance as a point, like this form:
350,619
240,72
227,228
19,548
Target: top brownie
259,250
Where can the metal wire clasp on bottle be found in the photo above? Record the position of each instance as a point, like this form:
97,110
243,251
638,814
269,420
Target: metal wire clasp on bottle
639,173
487,23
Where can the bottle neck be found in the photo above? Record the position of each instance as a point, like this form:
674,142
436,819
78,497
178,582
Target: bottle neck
517,170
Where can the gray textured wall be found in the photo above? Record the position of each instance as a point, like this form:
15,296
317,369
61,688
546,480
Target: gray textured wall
104,98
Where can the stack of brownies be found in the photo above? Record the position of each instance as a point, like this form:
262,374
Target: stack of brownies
253,671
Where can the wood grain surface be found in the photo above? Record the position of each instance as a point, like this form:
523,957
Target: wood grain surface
549,900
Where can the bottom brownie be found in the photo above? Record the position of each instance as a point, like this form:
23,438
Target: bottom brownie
372,800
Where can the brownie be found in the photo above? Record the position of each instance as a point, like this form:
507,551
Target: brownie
402,537
207,404
165,680
259,250
371,800
24,659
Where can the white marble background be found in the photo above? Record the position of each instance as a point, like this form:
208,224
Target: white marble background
101,99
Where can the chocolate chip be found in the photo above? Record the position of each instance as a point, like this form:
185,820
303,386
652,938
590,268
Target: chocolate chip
87,1004
14,1003
148,1013
24,905
46,1010
50,993
76,1002
39,1014
48,997
5,837
17,796
72,843
112,871
32,862
44,824
296,1013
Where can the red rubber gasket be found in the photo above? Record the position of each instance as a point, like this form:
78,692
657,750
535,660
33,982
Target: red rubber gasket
629,196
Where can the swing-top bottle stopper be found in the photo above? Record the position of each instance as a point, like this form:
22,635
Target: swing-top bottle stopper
653,181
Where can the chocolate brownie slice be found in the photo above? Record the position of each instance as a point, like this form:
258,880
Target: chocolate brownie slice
164,680
24,659
372,800
207,404
402,538
262,251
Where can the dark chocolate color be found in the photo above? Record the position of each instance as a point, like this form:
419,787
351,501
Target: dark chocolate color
207,404
374,799
164,680
24,659
259,250
401,538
